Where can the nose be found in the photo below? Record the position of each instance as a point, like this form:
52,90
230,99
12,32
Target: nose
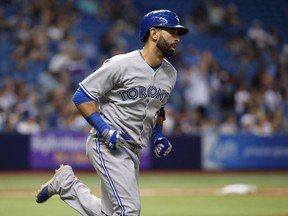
177,38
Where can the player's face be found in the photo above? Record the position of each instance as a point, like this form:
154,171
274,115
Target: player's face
168,41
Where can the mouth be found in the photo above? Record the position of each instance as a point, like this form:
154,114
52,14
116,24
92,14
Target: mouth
173,46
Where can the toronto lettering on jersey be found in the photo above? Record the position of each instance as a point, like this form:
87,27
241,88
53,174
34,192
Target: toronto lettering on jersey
143,92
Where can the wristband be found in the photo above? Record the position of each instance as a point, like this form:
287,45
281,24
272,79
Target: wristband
157,132
97,122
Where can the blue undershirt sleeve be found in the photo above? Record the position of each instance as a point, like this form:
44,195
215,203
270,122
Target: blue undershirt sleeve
80,97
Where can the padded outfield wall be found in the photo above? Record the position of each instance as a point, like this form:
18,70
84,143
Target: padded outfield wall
46,150
211,151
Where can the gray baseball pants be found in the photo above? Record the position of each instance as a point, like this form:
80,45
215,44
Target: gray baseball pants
118,170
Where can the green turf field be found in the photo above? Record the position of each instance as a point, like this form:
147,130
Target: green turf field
169,194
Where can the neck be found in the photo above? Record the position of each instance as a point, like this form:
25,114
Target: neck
151,55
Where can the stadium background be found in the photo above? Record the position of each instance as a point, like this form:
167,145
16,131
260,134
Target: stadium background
232,66
229,109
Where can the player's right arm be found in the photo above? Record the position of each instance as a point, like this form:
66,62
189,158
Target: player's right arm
90,111
84,104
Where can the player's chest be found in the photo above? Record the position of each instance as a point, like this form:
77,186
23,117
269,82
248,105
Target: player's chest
147,79
143,86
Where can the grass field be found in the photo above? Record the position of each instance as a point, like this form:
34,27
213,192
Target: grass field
169,194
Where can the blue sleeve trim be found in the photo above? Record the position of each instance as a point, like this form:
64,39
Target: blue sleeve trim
87,92
80,97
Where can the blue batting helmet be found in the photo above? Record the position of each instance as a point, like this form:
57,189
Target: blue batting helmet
158,18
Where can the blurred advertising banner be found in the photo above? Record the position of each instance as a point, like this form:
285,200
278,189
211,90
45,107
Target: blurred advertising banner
50,149
220,152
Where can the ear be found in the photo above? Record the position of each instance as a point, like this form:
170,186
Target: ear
154,33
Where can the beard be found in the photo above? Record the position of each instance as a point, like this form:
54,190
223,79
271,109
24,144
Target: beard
165,47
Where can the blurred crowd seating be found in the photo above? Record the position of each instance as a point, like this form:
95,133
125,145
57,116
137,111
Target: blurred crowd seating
232,67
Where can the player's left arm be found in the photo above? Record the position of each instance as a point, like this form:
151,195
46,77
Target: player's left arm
162,146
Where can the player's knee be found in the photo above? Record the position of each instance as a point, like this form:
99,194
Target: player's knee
133,209
132,212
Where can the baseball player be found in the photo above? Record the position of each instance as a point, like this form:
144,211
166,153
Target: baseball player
123,100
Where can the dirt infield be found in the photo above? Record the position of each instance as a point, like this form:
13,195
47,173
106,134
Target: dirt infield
278,215
209,191
164,192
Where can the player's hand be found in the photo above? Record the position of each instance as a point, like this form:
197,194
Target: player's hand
162,147
114,138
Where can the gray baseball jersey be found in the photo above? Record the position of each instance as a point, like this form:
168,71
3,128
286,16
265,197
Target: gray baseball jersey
130,93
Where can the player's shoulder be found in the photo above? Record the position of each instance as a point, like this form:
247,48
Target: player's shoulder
167,66
126,56
167,63
169,71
